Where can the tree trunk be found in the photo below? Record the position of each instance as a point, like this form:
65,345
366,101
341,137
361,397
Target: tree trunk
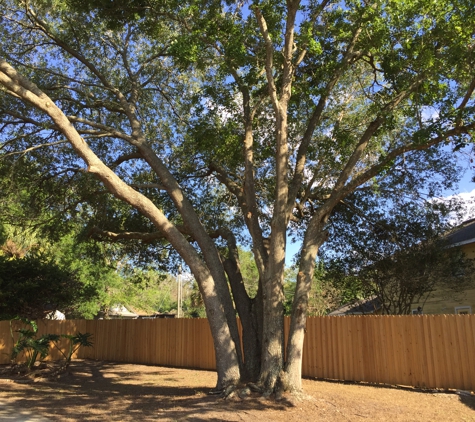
313,239
272,357
249,315
199,234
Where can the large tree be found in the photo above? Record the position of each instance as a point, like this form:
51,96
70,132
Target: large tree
216,123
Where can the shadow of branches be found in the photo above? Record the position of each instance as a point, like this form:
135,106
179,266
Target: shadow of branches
93,390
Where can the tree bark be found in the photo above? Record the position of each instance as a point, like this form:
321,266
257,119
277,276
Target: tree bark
314,238
250,322
251,318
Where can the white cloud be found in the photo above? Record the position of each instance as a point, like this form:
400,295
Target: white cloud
468,211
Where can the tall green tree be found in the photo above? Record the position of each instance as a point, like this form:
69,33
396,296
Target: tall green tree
213,123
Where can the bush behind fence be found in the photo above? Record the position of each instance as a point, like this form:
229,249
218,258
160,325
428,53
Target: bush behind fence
432,351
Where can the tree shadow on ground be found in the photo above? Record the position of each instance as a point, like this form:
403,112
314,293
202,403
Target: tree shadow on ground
91,390
466,398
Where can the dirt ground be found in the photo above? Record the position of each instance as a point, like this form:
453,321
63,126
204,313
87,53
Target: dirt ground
107,391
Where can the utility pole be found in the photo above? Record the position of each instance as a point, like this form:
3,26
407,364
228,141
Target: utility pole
180,293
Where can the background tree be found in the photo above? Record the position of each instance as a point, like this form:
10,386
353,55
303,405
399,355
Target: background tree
398,255
32,287
194,305
152,291
212,124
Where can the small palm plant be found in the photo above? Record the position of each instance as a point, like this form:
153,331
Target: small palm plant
33,347
30,345
75,342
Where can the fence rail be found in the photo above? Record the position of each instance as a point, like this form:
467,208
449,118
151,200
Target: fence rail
433,351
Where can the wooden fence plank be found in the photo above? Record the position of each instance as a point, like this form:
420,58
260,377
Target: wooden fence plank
333,341
385,350
360,350
397,350
370,351
435,328
381,347
420,366
468,336
428,355
326,351
309,356
446,351
465,355
346,348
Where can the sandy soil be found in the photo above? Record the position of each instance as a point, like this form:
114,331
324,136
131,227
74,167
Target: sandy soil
107,391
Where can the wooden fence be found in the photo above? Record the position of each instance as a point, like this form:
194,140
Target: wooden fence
433,351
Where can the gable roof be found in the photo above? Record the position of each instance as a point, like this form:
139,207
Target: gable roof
122,312
463,234
364,307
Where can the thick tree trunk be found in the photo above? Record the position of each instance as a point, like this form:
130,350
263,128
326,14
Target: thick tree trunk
256,319
198,232
314,237
227,362
249,315
272,360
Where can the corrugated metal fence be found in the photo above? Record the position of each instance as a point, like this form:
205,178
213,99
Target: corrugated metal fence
436,351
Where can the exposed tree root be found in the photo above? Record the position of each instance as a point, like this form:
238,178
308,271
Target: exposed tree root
255,388
277,389
244,393
225,392
229,391
215,391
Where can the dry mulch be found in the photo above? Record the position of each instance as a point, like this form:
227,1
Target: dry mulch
100,391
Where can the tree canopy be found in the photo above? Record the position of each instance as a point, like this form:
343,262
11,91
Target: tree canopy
197,126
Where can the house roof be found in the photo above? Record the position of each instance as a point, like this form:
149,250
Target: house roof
57,315
121,311
463,234
365,306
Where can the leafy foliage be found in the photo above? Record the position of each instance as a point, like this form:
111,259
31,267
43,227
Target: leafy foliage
74,343
30,345
34,348
32,286
324,294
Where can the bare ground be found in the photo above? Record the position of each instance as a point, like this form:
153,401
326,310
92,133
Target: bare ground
106,391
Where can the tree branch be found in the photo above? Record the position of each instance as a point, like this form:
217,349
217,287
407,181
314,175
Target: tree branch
110,131
365,138
315,120
373,171
33,148
99,234
468,95
147,186
269,59
126,157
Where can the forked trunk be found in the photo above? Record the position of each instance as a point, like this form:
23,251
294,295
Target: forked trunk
250,313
